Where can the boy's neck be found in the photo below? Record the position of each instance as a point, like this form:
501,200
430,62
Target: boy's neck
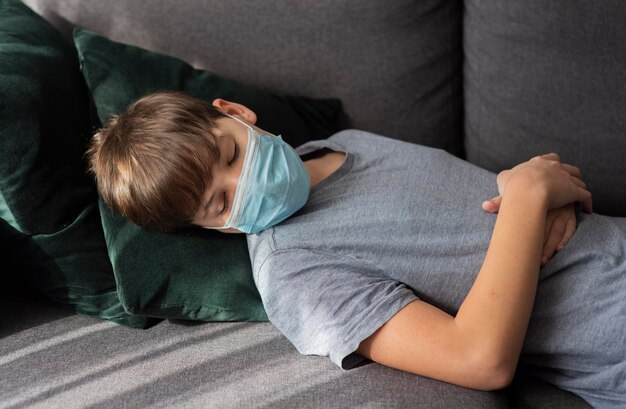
324,164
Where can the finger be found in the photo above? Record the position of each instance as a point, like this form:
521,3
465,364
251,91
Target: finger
585,200
551,156
493,205
579,182
489,207
557,231
570,228
572,170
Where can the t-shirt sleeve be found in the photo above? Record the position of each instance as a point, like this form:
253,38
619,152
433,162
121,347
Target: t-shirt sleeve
327,303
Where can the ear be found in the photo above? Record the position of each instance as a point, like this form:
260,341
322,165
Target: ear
235,109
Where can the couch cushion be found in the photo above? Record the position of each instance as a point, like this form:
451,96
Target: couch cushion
198,273
44,191
549,77
78,362
395,65
527,392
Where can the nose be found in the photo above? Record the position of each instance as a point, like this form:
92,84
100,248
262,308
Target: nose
231,180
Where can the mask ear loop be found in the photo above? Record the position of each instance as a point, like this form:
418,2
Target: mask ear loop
240,121
250,127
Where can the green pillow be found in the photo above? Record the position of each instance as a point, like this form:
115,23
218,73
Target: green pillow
197,273
117,74
45,193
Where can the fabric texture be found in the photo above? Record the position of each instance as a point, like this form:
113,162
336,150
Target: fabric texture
195,274
397,60
200,275
398,222
546,77
56,359
45,193
527,392
117,74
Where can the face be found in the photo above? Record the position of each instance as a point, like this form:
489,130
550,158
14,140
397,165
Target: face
217,200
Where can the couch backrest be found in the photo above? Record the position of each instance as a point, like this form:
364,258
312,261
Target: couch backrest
549,76
396,65
505,80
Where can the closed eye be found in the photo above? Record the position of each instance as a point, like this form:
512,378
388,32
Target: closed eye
235,154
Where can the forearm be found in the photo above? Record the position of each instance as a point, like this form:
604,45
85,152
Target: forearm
480,346
496,311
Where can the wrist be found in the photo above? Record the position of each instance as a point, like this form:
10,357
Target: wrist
528,192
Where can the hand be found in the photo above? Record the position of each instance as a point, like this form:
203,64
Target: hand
560,227
562,182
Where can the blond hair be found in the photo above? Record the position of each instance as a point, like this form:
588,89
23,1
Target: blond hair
152,163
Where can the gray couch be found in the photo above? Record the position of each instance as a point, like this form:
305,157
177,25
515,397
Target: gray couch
493,82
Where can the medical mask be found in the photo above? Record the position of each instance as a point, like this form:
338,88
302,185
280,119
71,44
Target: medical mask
273,185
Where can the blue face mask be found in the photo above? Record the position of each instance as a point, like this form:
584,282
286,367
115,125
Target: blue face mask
273,185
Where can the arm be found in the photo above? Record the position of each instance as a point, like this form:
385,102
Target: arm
560,227
480,347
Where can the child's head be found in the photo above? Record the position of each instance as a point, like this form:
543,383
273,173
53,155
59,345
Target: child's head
153,162
173,161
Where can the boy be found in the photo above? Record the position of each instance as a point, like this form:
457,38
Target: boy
364,246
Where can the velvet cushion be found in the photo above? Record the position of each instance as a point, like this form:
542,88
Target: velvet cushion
546,77
117,74
45,194
194,274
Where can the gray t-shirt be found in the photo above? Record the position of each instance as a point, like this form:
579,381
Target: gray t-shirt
399,221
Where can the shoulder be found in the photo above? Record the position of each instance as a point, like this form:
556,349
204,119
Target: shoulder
360,136
369,143
349,137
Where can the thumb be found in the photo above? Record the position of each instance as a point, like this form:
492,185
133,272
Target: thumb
493,205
